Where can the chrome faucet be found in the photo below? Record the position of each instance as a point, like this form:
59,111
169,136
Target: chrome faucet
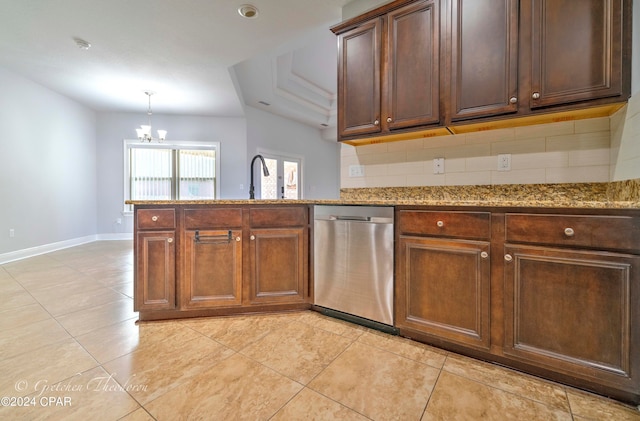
265,171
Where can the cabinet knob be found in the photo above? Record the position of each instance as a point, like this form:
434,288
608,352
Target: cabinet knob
238,238
513,100
169,240
536,95
154,218
389,119
440,224
569,232
484,254
253,237
508,257
376,123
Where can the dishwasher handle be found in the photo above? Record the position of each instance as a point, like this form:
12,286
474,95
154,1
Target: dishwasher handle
349,218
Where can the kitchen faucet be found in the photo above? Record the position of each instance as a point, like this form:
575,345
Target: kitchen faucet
265,171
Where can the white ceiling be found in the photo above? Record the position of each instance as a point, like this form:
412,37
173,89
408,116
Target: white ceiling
192,53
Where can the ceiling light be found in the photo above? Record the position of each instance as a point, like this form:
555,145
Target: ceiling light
144,132
248,11
82,44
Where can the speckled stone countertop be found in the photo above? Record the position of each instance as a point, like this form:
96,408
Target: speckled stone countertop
615,195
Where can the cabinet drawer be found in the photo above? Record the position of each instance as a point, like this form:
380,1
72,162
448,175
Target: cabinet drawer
212,218
445,224
279,217
602,232
156,218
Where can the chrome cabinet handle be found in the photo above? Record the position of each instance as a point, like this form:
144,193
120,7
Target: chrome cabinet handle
536,95
253,237
154,218
484,254
389,120
169,240
440,224
508,257
513,100
569,232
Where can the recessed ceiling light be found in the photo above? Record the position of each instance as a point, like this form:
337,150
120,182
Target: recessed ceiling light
82,44
248,11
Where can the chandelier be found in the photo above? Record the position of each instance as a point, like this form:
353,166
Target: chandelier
144,132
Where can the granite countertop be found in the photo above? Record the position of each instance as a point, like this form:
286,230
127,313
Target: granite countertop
616,195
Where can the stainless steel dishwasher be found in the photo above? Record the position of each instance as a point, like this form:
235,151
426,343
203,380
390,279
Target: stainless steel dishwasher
353,263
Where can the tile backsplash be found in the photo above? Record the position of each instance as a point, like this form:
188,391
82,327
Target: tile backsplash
579,151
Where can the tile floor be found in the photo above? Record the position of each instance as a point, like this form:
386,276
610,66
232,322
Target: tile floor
70,348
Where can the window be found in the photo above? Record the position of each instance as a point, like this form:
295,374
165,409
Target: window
165,171
283,181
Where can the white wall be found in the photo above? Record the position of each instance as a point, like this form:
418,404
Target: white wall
321,158
113,128
47,166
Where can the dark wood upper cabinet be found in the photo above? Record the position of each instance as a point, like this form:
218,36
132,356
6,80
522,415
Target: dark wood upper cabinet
484,58
412,70
576,50
359,80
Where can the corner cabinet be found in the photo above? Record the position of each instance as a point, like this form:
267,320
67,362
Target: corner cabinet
554,293
155,257
388,71
199,260
419,65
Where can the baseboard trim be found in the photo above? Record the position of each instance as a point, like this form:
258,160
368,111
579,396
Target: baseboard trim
48,248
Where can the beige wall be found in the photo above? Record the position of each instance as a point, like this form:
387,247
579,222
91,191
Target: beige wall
625,141
565,152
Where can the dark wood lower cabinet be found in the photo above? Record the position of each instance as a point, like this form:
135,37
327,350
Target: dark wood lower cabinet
442,289
575,312
212,269
155,275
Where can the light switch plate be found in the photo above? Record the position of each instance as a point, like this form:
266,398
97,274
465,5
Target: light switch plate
356,170
438,165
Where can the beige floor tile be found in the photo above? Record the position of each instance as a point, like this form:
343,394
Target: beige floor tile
118,278
312,406
165,366
19,340
124,289
86,396
405,347
377,383
458,398
330,324
59,305
29,372
111,342
25,315
138,415
236,389
239,331
88,320
298,351
545,392
14,299
592,407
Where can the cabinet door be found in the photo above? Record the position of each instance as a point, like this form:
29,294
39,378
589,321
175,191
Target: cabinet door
484,58
575,312
212,269
155,271
576,51
279,265
412,69
442,289
359,80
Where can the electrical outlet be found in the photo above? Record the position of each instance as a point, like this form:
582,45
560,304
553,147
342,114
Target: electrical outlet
356,170
504,162
438,165
12,233
119,221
